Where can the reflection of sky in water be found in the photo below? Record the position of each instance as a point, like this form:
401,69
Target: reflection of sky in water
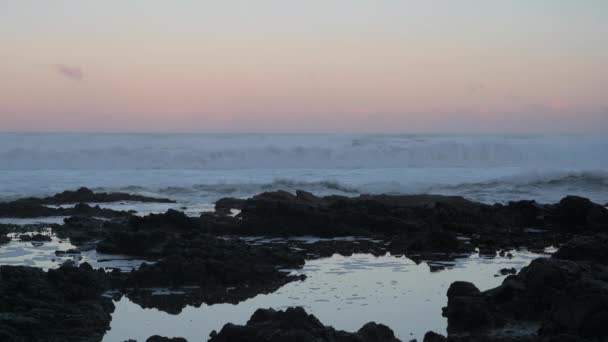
42,255
345,292
33,220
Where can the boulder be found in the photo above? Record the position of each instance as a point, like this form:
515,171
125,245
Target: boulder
295,325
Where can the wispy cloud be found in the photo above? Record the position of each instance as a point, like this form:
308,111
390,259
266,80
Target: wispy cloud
70,72
475,87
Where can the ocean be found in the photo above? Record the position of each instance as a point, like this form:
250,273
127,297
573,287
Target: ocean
342,291
198,169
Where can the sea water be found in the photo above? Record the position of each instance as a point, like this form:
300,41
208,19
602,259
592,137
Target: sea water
345,292
197,169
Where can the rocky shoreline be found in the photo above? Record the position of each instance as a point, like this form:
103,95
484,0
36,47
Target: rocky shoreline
563,297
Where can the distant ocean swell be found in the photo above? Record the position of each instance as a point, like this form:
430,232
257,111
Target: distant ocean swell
209,152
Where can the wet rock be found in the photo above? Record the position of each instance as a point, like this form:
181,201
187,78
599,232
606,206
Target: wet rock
24,209
43,207
224,205
157,338
281,213
58,305
68,252
560,297
219,270
434,241
507,271
294,324
87,195
585,248
434,337
35,237
575,213
172,220
4,239
84,230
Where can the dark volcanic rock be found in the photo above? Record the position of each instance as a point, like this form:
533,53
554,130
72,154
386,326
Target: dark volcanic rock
560,297
35,237
507,271
284,214
87,195
24,209
157,338
585,248
295,325
575,213
38,207
172,220
59,305
212,265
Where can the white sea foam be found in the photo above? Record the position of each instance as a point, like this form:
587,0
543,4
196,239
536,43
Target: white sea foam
198,169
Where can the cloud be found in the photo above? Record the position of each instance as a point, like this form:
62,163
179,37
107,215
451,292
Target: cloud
475,87
70,72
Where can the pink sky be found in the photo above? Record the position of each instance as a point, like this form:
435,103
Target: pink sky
316,66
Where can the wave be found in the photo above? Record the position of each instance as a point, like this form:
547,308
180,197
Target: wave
200,188
250,189
541,186
229,152
577,179
545,187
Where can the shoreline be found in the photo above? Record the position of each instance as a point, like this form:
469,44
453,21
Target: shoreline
193,251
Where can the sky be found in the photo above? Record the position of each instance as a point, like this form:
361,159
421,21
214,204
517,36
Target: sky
377,66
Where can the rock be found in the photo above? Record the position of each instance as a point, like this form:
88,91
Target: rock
157,338
58,305
281,213
172,220
35,237
71,251
466,308
575,213
83,195
585,248
434,337
561,297
39,207
293,325
212,265
4,239
25,209
69,264
507,271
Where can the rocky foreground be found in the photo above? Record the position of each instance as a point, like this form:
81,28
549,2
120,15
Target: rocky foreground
561,298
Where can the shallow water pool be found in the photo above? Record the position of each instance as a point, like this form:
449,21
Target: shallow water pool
344,292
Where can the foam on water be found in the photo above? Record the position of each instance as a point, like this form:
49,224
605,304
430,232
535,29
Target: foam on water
42,254
197,169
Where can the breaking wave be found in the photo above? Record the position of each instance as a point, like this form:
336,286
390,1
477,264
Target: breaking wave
200,168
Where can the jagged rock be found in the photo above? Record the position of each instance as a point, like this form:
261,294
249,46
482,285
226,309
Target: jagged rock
24,209
58,305
561,297
282,213
35,237
295,325
585,248
507,271
87,195
157,338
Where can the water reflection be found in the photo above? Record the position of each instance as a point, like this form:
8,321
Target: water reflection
345,292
